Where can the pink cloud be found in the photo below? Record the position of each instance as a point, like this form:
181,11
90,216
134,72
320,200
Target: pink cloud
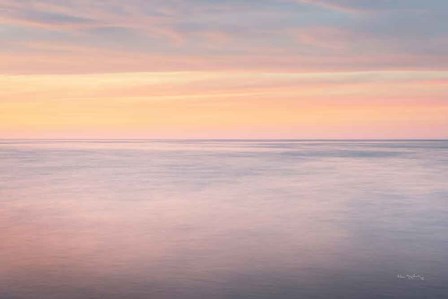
156,35
343,6
326,37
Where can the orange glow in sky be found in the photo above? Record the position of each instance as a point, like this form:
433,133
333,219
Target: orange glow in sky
288,69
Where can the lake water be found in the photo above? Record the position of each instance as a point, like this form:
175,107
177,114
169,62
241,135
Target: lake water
223,219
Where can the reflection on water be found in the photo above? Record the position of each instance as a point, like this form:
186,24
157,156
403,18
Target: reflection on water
223,219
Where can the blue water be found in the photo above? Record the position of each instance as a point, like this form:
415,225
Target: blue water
223,219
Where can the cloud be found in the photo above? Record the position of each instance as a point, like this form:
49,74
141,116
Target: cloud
192,104
356,6
267,35
326,37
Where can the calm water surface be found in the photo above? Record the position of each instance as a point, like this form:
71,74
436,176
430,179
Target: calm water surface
223,219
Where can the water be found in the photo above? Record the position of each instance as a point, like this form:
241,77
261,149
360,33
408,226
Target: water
223,219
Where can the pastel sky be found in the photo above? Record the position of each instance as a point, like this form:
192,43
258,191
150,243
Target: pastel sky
224,69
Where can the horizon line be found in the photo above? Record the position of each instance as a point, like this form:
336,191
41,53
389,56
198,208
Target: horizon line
224,139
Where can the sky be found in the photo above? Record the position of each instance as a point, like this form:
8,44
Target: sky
312,69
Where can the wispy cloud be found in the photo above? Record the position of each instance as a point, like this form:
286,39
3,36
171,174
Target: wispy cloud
299,35
169,104
279,66
357,6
